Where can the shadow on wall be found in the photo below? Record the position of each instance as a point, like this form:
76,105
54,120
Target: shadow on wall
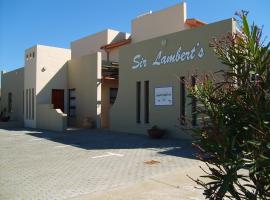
100,139
58,81
119,37
47,117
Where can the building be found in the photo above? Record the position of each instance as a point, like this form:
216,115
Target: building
124,82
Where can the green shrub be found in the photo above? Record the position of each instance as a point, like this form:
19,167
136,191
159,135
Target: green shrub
234,136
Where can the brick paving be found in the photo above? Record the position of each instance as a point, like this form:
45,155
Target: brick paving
42,165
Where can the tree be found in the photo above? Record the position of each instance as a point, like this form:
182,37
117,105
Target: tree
234,136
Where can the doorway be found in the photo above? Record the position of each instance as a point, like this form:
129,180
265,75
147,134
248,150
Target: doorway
58,99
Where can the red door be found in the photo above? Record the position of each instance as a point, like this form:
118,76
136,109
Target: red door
58,99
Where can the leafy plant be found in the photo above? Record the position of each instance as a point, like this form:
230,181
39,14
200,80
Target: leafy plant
234,134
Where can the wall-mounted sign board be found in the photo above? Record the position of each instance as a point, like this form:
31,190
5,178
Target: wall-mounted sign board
163,96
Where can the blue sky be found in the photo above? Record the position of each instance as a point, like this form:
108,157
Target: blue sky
24,23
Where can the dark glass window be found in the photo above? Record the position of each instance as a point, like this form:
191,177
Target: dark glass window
26,104
72,103
193,103
138,102
113,95
9,102
182,100
33,104
23,101
146,102
29,104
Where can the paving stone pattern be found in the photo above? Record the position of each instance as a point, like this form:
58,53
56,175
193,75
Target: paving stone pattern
42,165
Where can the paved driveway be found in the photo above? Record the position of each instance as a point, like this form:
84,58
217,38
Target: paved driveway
47,165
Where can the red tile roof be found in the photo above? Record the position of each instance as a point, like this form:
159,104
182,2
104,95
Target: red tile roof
116,44
194,22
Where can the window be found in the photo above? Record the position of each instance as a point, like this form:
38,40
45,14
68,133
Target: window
146,102
33,54
33,104
182,100
23,101
26,105
113,95
138,102
29,104
9,102
193,103
72,103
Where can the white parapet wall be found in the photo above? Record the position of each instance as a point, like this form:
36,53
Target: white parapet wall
51,119
92,43
166,21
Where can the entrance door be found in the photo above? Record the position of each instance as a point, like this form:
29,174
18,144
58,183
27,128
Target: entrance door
58,99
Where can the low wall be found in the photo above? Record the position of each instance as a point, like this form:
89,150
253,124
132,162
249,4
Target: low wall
51,119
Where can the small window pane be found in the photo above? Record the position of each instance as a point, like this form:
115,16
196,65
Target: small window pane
72,93
182,100
193,103
72,103
146,102
29,104
138,102
33,104
26,104
9,102
113,94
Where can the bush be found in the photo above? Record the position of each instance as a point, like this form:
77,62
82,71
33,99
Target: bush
234,134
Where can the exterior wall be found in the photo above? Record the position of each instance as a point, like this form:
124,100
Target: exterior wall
29,83
114,55
123,113
51,119
13,82
84,74
51,72
44,71
105,101
159,23
91,44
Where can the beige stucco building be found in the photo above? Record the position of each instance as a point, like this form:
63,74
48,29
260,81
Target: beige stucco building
116,80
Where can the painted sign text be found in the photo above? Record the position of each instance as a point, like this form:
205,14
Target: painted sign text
162,58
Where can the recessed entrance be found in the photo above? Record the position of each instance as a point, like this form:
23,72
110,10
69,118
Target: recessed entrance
58,99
